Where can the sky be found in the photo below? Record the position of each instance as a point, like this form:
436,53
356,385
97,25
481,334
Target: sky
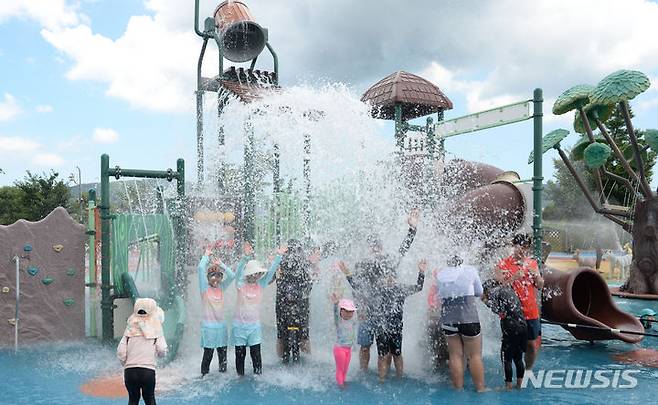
86,77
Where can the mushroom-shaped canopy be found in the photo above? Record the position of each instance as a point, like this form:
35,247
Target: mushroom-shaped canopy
417,97
550,140
573,98
601,111
622,85
651,137
583,142
596,154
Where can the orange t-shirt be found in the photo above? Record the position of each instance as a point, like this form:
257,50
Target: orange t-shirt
525,286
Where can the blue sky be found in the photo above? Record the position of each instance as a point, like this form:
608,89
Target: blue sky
81,78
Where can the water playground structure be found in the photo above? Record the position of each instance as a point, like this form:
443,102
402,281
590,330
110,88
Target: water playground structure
138,254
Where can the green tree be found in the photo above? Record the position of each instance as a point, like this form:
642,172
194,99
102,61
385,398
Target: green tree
40,194
615,191
11,209
565,199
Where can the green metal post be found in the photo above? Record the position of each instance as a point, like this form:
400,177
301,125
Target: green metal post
398,126
249,186
276,62
199,115
93,276
106,299
307,184
180,186
537,177
181,230
276,180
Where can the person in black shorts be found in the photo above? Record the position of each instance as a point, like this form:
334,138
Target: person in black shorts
458,285
367,280
294,282
503,301
387,320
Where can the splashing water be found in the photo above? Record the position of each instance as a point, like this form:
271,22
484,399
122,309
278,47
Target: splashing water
356,189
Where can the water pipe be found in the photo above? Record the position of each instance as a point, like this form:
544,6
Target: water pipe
598,328
17,259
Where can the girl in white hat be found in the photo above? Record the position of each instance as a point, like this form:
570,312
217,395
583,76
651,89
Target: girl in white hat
251,279
142,341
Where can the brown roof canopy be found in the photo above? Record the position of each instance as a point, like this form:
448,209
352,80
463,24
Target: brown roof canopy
418,96
246,85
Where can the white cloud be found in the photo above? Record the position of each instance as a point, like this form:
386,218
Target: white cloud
44,108
21,149
9,108
46,159
151,66
15,144
105,135
500,50
51,14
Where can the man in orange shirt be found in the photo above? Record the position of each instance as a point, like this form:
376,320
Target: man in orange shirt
522,273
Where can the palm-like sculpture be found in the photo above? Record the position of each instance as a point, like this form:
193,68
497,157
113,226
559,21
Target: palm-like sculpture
593,106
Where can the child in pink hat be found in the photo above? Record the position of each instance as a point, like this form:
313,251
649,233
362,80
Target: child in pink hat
345,326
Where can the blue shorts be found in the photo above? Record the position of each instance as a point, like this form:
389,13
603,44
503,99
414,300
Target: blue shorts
366,334
214,336
534,328
246,334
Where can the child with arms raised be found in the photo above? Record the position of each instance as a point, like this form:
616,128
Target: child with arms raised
251,279
213,281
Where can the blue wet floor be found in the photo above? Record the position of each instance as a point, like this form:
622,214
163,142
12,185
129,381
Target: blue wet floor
53,375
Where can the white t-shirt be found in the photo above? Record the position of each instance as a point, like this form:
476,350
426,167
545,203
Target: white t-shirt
460,281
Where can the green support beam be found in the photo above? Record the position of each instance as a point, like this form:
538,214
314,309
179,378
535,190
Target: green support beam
537,177
107,305
181,234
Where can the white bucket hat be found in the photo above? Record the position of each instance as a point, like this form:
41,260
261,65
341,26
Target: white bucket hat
253,267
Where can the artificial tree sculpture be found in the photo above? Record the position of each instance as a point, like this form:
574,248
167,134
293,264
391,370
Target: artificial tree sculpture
593,106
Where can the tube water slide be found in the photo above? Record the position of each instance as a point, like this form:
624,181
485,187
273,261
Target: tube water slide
491,207
581,297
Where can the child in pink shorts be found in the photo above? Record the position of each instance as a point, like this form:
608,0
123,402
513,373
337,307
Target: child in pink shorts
345,326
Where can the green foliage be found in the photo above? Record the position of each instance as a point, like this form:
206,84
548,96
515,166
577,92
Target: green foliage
32,198
11,209
651,136
565,200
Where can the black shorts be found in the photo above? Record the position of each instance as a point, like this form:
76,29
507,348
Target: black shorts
463,329
389,343
514,345
534,328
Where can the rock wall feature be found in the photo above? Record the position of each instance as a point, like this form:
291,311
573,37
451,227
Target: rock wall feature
51,296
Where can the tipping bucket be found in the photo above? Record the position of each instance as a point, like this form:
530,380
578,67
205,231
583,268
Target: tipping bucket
242,38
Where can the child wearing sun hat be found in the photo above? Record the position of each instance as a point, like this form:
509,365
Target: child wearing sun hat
142,341
251,280
345,321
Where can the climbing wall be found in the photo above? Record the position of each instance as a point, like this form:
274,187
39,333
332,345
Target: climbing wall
52,280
